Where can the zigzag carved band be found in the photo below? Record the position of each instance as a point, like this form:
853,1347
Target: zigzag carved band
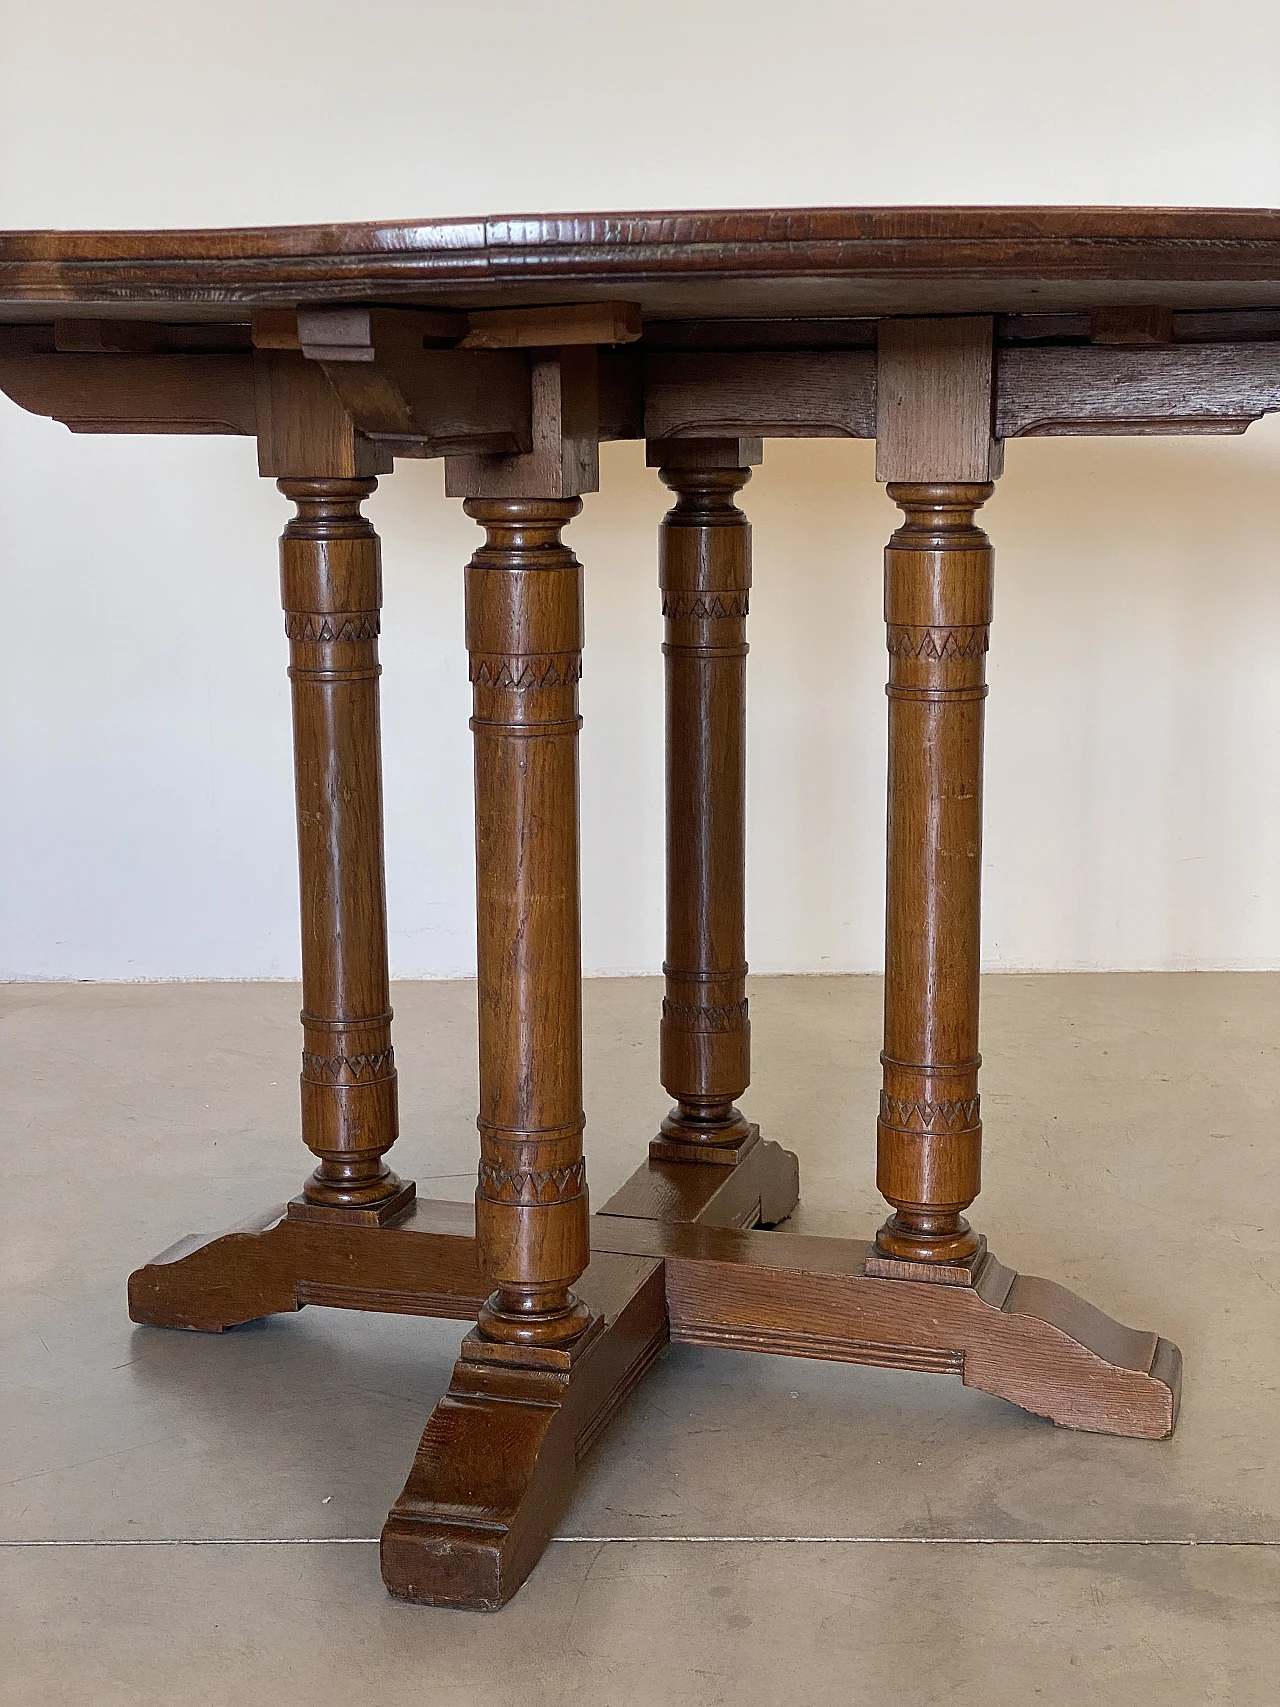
318,627
348,1069
938,644
729,1016
521,671
704,606
542,1186
958,1116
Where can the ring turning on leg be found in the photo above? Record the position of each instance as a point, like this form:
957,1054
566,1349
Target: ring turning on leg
524,636
705,576
938,589
331,586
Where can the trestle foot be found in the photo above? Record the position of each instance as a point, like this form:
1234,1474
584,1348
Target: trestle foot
495,1468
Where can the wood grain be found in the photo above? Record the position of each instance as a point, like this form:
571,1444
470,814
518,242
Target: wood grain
543,328
1015,1336
338,348
114,393
495,1468
704,573
938,580
758,262
303,429
934,400
524,637
1188,388
331,589
565,431
770,394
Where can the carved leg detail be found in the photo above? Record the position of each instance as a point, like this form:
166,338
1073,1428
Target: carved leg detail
707,1164
331,586
524,635
330,577
705,576
938,580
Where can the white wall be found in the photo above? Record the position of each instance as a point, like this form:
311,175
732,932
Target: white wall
1134,724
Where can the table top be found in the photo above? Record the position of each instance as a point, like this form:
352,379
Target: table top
735,264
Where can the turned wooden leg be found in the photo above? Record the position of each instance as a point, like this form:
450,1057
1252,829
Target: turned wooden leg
938,585
524,635
704,571
330,578
543,1370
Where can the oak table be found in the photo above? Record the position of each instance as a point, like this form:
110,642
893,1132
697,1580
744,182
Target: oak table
511,347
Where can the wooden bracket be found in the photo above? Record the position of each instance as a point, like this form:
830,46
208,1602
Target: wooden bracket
405,384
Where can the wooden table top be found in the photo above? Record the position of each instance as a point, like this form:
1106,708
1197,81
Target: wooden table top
748,263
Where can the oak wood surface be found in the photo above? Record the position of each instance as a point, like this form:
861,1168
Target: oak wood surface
512,347
935,409
117,393
704,572
937,605
331,589
766,393
495,1469
1018,1337
752,261
1187,388
524,637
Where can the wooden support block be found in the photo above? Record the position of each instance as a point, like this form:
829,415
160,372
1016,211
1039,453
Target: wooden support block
1015,1336
565,459
304,431
1131,326
696,455
935,401
759,1188
275,329
548,328
107,337
370,334
425,1265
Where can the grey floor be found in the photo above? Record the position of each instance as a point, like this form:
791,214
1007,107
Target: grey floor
190,1519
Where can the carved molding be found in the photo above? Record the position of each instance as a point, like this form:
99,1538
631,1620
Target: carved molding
533,1186
937,644
317,627
728,1016
523,671
348,1069
925,1116
702,607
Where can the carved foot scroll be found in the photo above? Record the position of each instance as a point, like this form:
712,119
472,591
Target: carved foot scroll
1015,1336
424,1265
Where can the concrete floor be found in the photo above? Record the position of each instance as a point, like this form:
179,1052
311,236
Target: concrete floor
187,1519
